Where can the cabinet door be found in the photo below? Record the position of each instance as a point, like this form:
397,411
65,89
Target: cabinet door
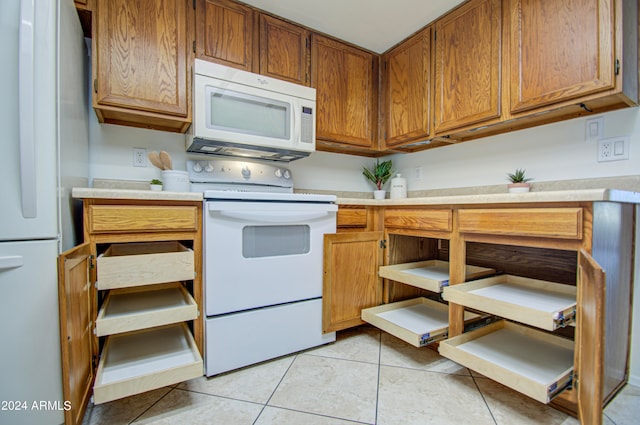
345,79
76,334
407,97
284,50
589,355
559,50
140,59
351,281
467,65
224,33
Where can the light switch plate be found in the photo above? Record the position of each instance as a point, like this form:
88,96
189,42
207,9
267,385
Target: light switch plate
594,129
613,149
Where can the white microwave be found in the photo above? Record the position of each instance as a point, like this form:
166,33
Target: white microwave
242,114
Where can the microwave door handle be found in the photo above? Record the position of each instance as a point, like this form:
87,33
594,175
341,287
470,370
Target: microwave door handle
26,102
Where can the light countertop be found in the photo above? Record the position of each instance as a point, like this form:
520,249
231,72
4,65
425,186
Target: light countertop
584,195
133,194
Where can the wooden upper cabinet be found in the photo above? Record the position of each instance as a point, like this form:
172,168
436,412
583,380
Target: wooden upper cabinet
284,50
224,33
560,50
346,79
406,84
467,65
140,63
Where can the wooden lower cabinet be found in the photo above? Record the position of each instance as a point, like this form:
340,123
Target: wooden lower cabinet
130,302
533,273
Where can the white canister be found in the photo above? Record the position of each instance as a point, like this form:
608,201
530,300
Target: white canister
398,187
175,181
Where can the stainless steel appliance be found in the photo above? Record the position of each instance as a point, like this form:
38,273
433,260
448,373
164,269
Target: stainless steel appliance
44,152
263,247
242,114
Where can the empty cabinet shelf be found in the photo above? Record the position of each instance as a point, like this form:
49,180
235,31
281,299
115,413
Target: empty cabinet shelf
137,264
545,305
419,321
431,275
530,361
131,309
144,360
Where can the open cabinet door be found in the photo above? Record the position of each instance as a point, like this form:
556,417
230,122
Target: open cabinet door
75,293
590,339
351,281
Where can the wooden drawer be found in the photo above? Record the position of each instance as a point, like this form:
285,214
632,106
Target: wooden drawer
419,321
142,218
352,217
136,308
431,275
545,305
138,264
419,218
561,223
140,361
529,361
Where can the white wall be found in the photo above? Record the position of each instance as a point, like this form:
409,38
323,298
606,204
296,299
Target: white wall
552,152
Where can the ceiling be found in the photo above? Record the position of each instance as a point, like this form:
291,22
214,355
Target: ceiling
375,25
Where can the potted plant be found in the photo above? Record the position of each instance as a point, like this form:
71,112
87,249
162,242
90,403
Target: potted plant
155,184
379,175
519,183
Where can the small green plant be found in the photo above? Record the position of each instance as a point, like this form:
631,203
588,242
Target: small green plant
156,181
380,173
518,176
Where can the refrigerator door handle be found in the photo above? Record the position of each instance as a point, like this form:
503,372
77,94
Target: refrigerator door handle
26,108
11,262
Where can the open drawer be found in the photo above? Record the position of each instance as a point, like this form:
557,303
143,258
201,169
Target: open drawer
539,303
131,309
419,321
144,360
137,264
530,361
431,275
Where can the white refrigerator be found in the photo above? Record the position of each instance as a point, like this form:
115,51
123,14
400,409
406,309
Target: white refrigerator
43,153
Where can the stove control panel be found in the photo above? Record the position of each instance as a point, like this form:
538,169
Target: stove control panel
230,171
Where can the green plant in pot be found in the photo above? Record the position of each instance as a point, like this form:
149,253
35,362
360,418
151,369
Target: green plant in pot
379,175
155,184
519,182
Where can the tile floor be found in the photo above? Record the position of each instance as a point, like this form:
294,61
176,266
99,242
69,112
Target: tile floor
365,377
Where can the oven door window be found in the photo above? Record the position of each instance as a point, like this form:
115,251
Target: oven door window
244,113
275,241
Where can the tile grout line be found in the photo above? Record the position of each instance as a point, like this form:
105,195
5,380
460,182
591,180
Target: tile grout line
275,389
483,398
153,404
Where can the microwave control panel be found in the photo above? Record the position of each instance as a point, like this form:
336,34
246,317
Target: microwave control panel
306,126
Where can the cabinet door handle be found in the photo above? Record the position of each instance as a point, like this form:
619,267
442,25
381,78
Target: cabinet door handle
11,262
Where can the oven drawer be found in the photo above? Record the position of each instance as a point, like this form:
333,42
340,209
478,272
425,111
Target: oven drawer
136,308
137,264
144,360
529,361
142,218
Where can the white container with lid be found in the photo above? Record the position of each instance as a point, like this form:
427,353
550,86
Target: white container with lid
398,187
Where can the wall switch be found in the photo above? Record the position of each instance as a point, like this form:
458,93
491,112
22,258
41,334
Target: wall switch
613,149
139,157
594,129
417,173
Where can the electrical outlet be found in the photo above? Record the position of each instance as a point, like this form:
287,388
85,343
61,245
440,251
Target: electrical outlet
613,149
139,157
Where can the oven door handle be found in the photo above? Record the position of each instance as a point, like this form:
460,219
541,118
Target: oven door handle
266,216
